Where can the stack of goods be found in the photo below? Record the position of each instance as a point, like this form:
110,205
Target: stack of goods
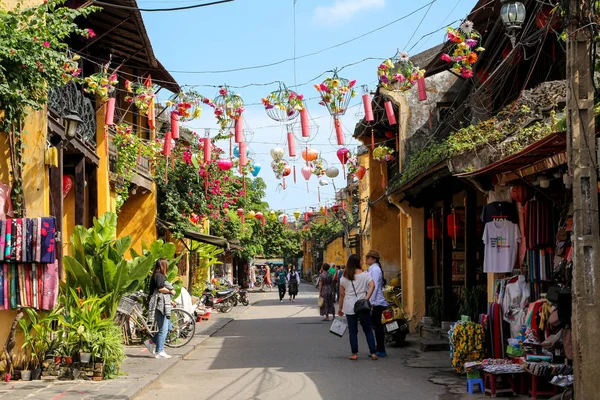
28,266
466,343
500,366
547,369
472,369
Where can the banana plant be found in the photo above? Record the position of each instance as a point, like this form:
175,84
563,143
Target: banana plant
160,249
99,268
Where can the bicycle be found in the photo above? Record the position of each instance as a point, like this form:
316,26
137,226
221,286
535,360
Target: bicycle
134,322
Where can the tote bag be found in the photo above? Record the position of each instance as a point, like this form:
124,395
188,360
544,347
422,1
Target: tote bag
338,327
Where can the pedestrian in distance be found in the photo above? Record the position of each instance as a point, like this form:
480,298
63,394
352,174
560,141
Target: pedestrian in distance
333,271
293,280
355,285
326,293
377,299
159,308
252,274
267,279
281,280
338,276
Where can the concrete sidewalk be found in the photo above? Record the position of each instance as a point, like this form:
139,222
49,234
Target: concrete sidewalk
140,369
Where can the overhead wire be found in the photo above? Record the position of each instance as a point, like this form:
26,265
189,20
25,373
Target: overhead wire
123,7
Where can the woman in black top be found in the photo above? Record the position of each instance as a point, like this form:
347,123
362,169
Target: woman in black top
161,294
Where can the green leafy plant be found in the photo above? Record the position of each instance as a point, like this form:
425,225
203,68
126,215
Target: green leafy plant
208,255
99,267
160,249
37,329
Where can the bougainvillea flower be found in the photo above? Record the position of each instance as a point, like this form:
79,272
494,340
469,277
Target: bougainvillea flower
384,79
446,57
46,44
300,97
382,66
218,111
223,91
324,88
352,83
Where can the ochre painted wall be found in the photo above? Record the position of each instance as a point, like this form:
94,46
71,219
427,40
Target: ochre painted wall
138,218
335,253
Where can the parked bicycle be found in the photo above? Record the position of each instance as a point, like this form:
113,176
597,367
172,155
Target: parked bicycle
132,316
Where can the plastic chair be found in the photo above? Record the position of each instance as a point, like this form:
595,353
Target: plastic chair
473,382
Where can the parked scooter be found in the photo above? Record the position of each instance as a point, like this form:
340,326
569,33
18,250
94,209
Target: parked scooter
394,322
221,300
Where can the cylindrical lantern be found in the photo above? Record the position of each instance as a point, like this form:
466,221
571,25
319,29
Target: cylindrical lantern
339,132
259,215
167,144
239,130
207,149
433,229
304,123
109,118
422,89
389,110
174,125
455,225
243,154
240,213
291,144
366,99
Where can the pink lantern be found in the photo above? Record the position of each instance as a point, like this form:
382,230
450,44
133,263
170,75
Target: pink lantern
342,155
207,147
389,110
67,185
243,154
339,132
225,164
167,145
291,144
304,123
174,125
306,172
422,89
239,130
310,213
109,118
366,99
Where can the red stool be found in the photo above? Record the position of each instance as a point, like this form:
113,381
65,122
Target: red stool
540,386
499,384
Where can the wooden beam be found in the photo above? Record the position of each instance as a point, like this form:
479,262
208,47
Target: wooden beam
57,206
92,194
80,192
471,238
449,306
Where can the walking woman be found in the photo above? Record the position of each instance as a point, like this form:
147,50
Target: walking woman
267,279
159,308
293,280
377,300
326,293
280,279
356,285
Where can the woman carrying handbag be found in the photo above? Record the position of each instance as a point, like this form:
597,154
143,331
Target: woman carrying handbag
356,288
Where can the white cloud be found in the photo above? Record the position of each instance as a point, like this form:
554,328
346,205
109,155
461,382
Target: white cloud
344,10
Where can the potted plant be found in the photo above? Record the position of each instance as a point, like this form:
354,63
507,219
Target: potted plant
22,363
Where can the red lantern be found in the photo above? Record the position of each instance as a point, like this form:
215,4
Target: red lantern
342,155
389,110
239,130
207,146
390,134
287,171
339,132
174,125
225,164
258,215
240,213
455,225
304,123
167,144
67,185
110,112
434,231
243,154
310,213
360,173
335,208
422,89
519,194
366,99
291,144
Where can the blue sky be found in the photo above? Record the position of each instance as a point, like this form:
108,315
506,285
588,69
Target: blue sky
255,32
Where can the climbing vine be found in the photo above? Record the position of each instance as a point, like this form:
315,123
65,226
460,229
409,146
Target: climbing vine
33,58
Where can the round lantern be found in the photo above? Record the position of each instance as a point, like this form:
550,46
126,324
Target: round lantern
240,213
296,214
287,171
272,215
277,153
390,134
306,172
258,215
310,213
335,208
67,185
332,172
255,169
360,172
283,219
225,164
455,225
342,155
310,154
434,231
251,214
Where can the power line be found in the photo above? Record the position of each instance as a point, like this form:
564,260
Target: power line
103,4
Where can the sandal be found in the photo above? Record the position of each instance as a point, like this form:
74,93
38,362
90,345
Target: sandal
325,319
354,357
374,357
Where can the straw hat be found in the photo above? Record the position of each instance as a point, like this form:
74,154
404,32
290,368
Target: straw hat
373,253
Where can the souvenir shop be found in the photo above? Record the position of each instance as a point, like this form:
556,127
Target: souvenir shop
523,343
29,273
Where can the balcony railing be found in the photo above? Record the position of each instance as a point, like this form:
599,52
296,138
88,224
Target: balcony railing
143,174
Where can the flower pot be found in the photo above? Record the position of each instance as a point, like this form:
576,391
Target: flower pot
26,375
36,374
68,359
58,359
85,357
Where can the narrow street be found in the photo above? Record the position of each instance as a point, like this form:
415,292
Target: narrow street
283,351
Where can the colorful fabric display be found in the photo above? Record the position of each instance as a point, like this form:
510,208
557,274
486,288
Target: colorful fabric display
2,293
48,248
2,239
8,237
50,286
28,240
466,344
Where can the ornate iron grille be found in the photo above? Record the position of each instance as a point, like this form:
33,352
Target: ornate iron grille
70,99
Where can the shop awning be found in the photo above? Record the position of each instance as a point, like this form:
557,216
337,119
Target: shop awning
544,154
197,236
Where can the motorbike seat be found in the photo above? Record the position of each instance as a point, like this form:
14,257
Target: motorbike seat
224,293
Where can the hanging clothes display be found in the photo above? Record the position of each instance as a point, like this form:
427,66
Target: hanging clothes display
466,344
501,238
514,304
499,210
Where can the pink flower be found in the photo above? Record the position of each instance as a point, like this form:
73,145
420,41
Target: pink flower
467,73
352,83
300,97
46,44
399,77
324,87
206,100
225,205
223,91
382,66
89,33
218,111
459,58
471,42
446,57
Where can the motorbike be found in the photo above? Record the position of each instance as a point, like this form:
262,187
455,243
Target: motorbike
241,296
394,322
221,300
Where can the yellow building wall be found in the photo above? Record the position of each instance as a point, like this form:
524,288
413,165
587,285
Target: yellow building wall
35,182
138,219
335,253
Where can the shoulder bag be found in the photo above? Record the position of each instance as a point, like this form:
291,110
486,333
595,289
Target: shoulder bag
361,306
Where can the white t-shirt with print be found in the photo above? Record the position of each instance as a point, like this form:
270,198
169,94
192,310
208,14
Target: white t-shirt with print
361,284
501,238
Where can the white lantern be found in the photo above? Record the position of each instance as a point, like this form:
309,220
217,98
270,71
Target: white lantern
277,153
332,172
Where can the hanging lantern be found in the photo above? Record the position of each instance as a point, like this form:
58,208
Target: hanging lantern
339,132
455,225
434,231
306,172
263,221
251,214
309,154
366,99
243,154
283,219
335,208
272,215
255,169
422,89
174,125
304,124
389,111
336,93
286,171
305,217
322,210
225,164
296,214
323,182
109,118
207,148
239,130
240,213
310,213
342,155
167,144
291,144
277,153
258,215
284,104
360,172
67,185
332,172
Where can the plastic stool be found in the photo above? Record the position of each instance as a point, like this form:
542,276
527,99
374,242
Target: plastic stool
473,382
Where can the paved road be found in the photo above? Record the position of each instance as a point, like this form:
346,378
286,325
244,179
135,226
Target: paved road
283,351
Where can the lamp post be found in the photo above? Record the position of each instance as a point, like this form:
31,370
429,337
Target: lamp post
513,16
73,121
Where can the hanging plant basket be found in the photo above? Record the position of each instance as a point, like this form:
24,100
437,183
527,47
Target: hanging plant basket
399,74
383,154
336,94
465,49
229,107
318,167
101,84
279,168
140,95
186,105
283,105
